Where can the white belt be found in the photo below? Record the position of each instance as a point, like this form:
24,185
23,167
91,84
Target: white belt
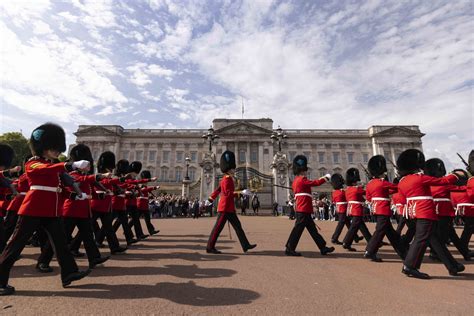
380,199
341,203
356,202
45,188
143,197
349,209
442,200
121,195
303,194
128,192
374,203
412,208
460,208
22,193
99,192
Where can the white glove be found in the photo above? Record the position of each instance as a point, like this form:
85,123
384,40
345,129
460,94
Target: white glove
246,192
81,197
208,203
327,176
81,164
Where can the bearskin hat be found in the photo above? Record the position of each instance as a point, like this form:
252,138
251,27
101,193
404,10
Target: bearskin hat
377,166
462,180
82,152
435,167
227,161
300,163
47,136
410,161
145,174
352,176
135,166
106,161
337,181
471,161
122,167
6,155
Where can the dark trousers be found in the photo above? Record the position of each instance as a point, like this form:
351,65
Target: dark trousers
343,219
304,220
25,228
222,218
3,240
84,234
384,227
468,231
402,221
135,220
357,224
108,231
424,235
445,231
149,225
407,238
121,220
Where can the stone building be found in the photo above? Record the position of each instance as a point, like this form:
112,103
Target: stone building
163,151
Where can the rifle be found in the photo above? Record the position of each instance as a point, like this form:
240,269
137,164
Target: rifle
463,161
366,171
394,167
282,186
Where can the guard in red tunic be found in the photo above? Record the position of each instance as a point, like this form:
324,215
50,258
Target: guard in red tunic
444,208
468,210
304,208
415,186
131,195
143,202
355,208
378,192
39,208
101,203
6,158
226,206
339,200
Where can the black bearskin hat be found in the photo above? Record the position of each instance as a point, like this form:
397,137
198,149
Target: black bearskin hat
82,152
106,161
47,136
227,161
337,181
377,166
435,167
352,176
300,163
122,167
462,180
471,162
145,174
410,161
6,155
135,166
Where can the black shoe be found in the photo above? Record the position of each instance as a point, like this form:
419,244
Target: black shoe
131,241
77,254
154,232
43,268
459,268
292,253
348,248
250,246
97,261
373,257
118,250
411,272
336,242
75,276
214,251
6,290
467,258
327,250
142,237
357,239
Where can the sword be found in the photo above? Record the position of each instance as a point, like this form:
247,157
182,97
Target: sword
282,186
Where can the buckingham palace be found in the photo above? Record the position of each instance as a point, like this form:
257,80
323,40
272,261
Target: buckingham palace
263,152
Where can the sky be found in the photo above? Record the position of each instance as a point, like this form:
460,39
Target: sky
180,64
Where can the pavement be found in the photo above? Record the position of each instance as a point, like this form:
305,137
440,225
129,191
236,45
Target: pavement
171,274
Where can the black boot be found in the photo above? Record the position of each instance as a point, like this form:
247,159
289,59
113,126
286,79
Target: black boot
412,272
292,253
43,268
372,257
336,242
75,276
6,290
213,251
250,246
348,247
326,250
97,261
118,250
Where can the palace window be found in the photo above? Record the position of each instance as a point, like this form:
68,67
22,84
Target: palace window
164,174
308,155
125,154
335,157
192,173
179,156
166,156
292,155
242,156
350,157
321,157
193,156
178,174
365,157
139,155
152,155
253,156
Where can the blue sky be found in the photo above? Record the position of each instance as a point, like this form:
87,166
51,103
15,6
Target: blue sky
305,64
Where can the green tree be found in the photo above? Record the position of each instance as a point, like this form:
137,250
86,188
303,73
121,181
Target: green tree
19,144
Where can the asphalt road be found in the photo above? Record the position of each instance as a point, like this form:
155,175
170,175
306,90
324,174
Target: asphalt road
170,273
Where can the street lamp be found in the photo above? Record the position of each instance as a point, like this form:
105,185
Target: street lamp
210,136
278,136
188,160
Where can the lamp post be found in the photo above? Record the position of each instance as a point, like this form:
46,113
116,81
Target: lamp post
188,160
186,180
210,136
277,136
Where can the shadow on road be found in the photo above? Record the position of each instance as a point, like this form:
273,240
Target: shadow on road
180,293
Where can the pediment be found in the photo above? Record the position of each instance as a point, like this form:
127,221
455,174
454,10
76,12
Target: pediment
243,128
95,131
399,131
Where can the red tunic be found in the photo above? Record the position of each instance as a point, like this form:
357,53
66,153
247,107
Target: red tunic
118,200
399,201
355,200
462,204
416,189
43,179
227,194
339,198
80,208
143,200
22,187
302,189
104,205
442,199
470,189
378,194
131,191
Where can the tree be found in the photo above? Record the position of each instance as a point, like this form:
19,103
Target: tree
19,144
